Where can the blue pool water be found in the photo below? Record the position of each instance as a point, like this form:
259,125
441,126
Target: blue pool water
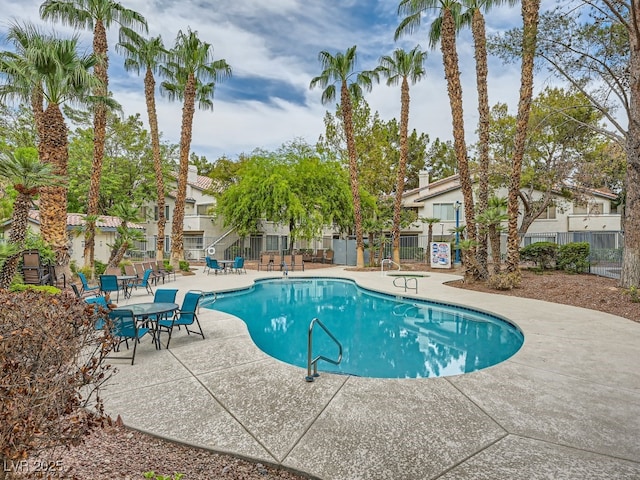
382,336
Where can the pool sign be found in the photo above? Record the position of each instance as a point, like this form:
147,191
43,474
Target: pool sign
440,255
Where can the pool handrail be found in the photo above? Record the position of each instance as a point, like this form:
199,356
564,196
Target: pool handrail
311,377
391,262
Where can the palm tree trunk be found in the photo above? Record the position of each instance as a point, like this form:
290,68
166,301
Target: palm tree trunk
530,15
454,88
100,49
53,149
188,110
402,168
149,92
479,37
353,172
19,225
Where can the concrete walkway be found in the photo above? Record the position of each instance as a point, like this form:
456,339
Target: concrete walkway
566,406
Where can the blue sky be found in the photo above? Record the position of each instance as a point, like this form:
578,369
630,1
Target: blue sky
272,47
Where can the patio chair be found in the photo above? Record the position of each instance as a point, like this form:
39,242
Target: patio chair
157,272
212,265
123,327
277,262
34,270
328,257
85,285
108,284
113,271
318,256
286,263
130,270
165,295
143,282
266,261
99,303
186,316
238,265
297,262
153,276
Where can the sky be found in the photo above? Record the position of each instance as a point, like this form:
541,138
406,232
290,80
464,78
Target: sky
272,47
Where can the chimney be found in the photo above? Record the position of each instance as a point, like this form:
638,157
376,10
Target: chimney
192,176
423,178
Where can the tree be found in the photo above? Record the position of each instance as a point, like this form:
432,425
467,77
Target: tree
98,15
401,67
126,235
53,68
430,221
340,69
441,160
191,75
598,54
473,16
444,29
26,174
491,220
146,54
292,186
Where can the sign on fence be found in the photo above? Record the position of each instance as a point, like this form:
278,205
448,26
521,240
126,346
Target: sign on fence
440,255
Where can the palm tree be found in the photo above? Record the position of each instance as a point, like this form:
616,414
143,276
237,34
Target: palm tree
52,66
126,235
399,68
491,220
444,29
430,221
98,15
339,69
27,175
530,16
473,16
146,54
191,75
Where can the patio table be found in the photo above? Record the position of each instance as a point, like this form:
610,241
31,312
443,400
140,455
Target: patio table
151,312
124,281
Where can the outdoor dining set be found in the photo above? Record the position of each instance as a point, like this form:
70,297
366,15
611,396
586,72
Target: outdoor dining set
134,321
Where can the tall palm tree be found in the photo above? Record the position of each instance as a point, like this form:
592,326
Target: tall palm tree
473,16
98,15
191,75
444,29
24,171
401,67
141,53
530,18
126,236
54,67
340,69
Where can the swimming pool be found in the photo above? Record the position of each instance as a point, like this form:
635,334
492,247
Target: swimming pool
382,336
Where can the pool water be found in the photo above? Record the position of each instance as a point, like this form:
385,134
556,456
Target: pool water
382,336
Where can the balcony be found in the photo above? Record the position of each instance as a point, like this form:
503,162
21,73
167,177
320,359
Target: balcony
594,223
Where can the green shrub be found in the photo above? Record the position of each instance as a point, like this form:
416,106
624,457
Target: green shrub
634,294
99,267
543,254
20,287
573,257
155,476
184,266
167,265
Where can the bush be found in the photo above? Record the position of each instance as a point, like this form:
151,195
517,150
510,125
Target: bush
574,257
505,281
20,287
184,266
99,267
543,254
51,371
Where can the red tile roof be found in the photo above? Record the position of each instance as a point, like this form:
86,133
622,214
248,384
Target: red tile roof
77,220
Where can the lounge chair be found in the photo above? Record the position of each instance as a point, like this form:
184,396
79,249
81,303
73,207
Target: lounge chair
145,282
318,256
297,262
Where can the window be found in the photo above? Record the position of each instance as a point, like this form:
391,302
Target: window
595,208
204,209
272,243
444,211
548,214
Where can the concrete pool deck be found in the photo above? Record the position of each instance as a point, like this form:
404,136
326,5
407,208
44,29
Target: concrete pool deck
566,406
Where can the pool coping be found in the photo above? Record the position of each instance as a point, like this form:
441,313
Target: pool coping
568,400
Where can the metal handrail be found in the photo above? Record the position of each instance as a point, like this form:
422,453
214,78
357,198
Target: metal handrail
311,377
391,262
406,283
